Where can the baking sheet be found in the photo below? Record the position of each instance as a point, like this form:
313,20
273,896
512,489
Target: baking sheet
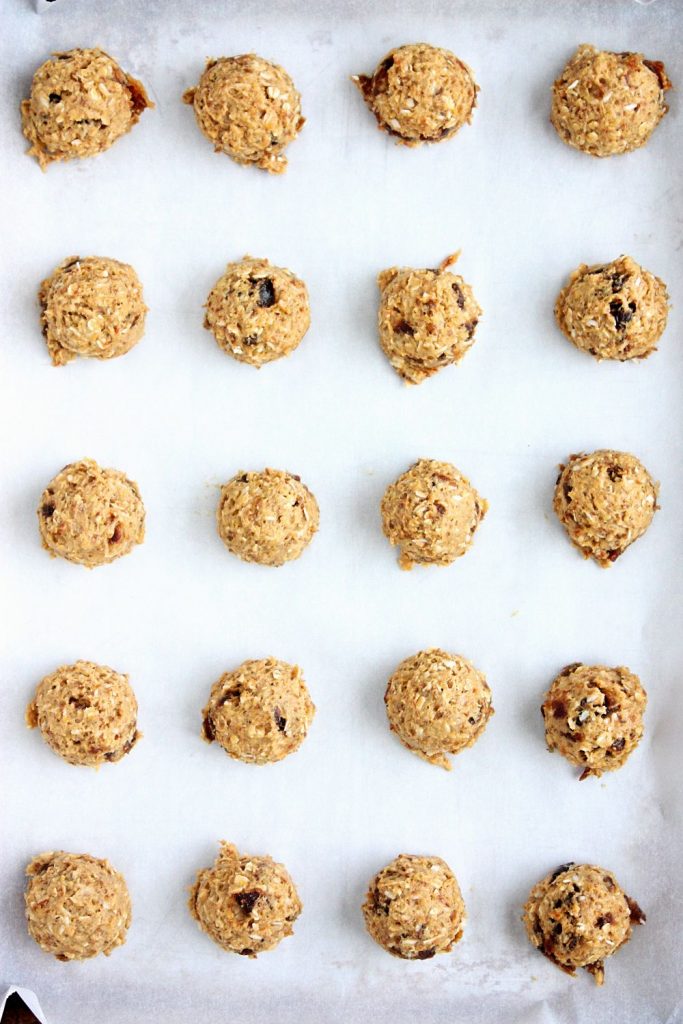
180,417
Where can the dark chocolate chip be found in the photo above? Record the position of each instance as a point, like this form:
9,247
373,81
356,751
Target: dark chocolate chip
47,510
246,952
403,327
280,720
618,744
266,293
55,97
426,954
250,339
246,900
209,731
637,915
615,473
620,314
460,297
561,870
116,535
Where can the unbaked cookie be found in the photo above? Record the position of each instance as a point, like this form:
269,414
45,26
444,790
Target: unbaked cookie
414,908
578,915
245,904
608,103
605,501
77,906
81,102
420,93
248,108
91,515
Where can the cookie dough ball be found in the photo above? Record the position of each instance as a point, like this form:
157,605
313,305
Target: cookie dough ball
414,908
257,313
420,93
605,501
86,712
91,515
608,103
614,311
249,109
245,904
81,102
267,517
578,915
76,905
431,513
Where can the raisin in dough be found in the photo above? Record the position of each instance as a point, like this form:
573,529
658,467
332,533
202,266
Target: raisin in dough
268,517
427,319
605,501
578,915
91,307
248,108
91,515
431,513
420,93
614,311
245,904
77,906
414,908
608,103
81,102
257,313
86,712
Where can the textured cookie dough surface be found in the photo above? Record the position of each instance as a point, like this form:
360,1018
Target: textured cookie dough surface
91,307
578,915
81,102
431,513
614,311
91,515
249,109
267,517
256,312
427,319
77,906
608,103
414,908
420,93
593,716
605,500
245,904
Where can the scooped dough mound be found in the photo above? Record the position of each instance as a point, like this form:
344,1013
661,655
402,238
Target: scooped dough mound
437,704
414,908
431,513
267,517
249,109
86,712
578,915
81,102
91,307
76,905
605,501
245,904
257,313
608,103
594,716
427,319
614,311
91,515
420,93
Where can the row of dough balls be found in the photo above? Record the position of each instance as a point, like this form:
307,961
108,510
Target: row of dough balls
81,102
437,704
78,906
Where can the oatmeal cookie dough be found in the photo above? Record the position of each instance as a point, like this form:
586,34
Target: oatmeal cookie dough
249,109
593,716
245,904
414,908
578,915
268,517
420,93
256,312
91,307
86,712
616,310
427,319
81,102
431,513
608,103
605,501
91,515
77,906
